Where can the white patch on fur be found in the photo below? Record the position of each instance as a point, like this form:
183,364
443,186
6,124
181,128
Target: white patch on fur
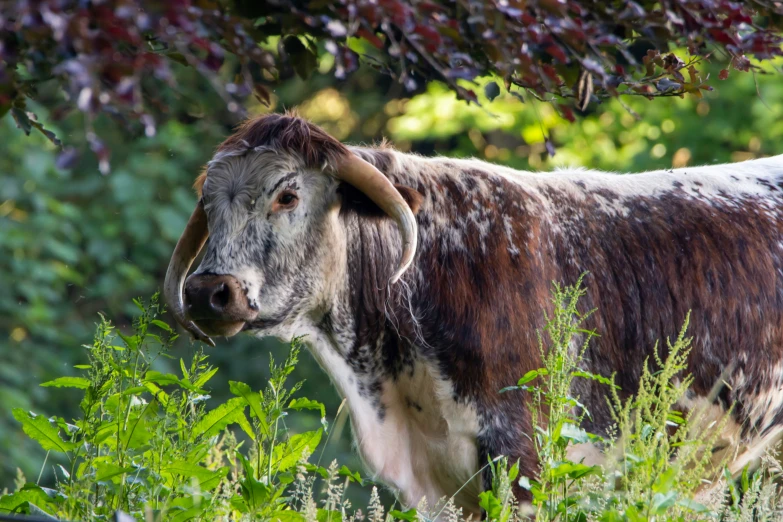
509,230
429,453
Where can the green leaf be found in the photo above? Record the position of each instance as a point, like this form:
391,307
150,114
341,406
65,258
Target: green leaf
161,396
205,377
557,430
351,475
140,428
187,514
313,468
594,377
185,373
185,508
254,493
532,374
409,515
163,326
19,502
68,382
231,412
693,505
136,390
489,503
253,399
165,379
131,341
573,470
238,502
745,482
287,455
41,430
108,470
675,418
574,433
304,403
287,516
513,472
207,479
326,515
246,465
663,501
38,512
161,378
731,486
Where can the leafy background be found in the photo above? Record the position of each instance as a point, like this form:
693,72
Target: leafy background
75,242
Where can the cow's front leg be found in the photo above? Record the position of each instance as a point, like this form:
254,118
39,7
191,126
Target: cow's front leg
506,435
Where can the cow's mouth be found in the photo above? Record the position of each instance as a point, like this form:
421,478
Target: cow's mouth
262,323
218,328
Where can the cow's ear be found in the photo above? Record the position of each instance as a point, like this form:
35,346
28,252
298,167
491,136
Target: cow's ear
411,196
198,185
354,200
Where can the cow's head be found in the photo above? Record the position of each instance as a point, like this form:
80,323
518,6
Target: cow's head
270,202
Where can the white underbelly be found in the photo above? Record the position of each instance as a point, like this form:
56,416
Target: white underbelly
425,445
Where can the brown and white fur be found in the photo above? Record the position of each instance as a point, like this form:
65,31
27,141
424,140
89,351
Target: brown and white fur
421,362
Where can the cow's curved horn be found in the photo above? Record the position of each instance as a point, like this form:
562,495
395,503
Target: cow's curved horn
368,179
188,247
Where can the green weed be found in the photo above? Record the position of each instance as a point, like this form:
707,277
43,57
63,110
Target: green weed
147,445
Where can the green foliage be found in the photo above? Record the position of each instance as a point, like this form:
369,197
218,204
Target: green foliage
146,443
585,51
625,136
661,470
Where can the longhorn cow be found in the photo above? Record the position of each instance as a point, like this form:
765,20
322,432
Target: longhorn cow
420,284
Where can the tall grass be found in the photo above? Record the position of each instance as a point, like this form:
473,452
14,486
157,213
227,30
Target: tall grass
146,443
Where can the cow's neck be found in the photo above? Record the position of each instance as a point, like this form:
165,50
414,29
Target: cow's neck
409,429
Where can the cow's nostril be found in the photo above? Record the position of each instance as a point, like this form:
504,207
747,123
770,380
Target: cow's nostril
220,298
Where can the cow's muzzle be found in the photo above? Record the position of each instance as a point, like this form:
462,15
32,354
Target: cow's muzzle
217,304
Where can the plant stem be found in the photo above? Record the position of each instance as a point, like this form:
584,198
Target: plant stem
37,482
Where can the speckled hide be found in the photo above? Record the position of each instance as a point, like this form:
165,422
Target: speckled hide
421,362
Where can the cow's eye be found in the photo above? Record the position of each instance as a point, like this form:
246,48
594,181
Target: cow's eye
286,200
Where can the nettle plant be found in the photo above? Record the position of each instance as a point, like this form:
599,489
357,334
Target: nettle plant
146,443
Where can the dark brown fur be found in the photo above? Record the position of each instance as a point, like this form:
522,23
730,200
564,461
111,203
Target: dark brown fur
479,310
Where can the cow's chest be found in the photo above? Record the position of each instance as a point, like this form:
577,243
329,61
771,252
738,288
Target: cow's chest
415,437
411,433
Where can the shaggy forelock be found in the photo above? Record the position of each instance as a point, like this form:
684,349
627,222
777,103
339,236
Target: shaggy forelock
281,133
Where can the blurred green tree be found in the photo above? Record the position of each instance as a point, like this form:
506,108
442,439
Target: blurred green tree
116,56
